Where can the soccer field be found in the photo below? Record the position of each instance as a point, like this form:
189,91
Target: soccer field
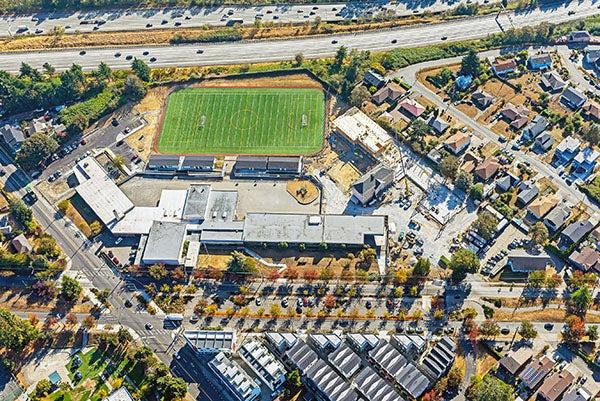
243,121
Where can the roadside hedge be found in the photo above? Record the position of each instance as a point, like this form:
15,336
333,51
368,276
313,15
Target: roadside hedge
220,35
79,116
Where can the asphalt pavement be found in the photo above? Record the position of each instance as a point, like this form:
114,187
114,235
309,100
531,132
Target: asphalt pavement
312,47
110,20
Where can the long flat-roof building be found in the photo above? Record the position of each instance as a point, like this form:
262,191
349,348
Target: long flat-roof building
210,341
234,378
264,365
359,129
100,192
165,244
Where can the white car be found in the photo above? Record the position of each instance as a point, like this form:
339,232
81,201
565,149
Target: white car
118,241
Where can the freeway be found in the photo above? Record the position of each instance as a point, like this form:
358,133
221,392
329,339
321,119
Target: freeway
110,20
311,47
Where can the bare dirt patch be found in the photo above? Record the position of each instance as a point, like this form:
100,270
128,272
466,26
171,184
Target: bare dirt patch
150,108
344,174
469,110
303,191
291,80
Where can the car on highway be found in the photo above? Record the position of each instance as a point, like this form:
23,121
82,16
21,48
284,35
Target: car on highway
148,25
548,326
258,302
571,12
152,59
394,41
118,54
128,303
334,41
146,52
148,326
285,303
199,51
177,23
444,37
368,305
129,57
505,331
82,53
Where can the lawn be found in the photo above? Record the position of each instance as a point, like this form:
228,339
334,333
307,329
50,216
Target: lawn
243,121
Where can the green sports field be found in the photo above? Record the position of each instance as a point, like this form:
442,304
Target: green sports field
243,121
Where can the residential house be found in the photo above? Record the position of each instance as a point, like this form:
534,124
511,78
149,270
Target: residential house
440,357
591,111
514,361
515,116
411,108
587,259
410,345
374,387
584,163
264,365
38,126
504,67
535,371
372,184
572,98
12,136
566,150
463,82
325,342
412,380
541,206
552,82
482,99
345,361
121,394
301,356
389,93
540,61
535,127
544,142
234,378
528,191
457,142
557,217
372,78
555,386
577,394
5,227
520,261
363,342
592,54
487,169
506,182
575,232
386,358
581,37
438,125
470,161
327,385
21,244
281,342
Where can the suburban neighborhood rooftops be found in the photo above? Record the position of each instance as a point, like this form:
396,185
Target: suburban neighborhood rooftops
577,230
388,357
373,78
552,81
482,98
579,36
330,383
374,387
557,217
536,126
554,386
542,58
282,341
458,141
363,341
586,259
573,97
487,168
390,92
536,370
513,361
592,110
528,192
440,357
412,380
512,112
100,192
164,242
345,360
21,244
569,144
543,204
501,66
302,356
577,394
12,135
210,340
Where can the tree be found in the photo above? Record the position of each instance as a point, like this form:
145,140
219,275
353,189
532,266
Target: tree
592,333
580,300
15,333
70,289
489,388
449,166
20,212
422,267
489,328
539,233
42,388
299,59
359,95
592,134
329,301
134,88
275,310
486,225
293,382
45,289
575,329
455,377
536,278
463,180
463,261
471,64
157,271
527,331
241,264
340,57
104,72
71,319
141,69
36,148
89,322
476,191
95,228
171,388
48,68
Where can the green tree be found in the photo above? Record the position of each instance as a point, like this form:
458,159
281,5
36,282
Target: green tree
486,225
489,388
134,88
527,331
581,299
359,95
15,333
489,328
592,333
171,388
536,278
463,180
476,191
455,377
539,233
141,69
592,134
422,267
340,57
35,149
239,263
299,59
463,261
42,389
471,65
103,72
20,212
449,166
70,288
157,271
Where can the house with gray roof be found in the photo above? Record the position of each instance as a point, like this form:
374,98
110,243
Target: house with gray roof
557,217
573,98
264,364
552,82
412,380
373,78
210,341
535,128
440,357
327,384
234,378
12,137
438,125
372,184
373,387
164,162
544,142
521,261
386,358
345,360
528,191
574,233
301,356
482,99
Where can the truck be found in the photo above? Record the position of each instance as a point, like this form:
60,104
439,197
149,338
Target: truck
174,317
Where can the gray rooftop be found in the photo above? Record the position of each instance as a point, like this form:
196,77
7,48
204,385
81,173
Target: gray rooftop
196,202
440,357
374,387
221,206
388,357
577,230
330,383
198,161
165,241
164,160
412,380
210,340
302,356
345,360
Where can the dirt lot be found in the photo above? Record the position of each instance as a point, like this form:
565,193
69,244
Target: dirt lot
344,174
304,191
25,300
245,82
